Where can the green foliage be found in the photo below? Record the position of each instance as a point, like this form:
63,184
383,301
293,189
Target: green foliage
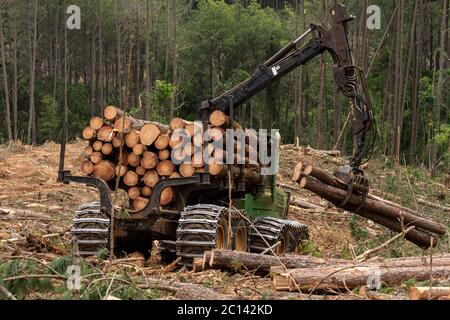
309,247
161,96
356,231
49,120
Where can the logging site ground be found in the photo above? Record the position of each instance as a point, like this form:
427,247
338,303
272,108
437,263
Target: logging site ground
36,215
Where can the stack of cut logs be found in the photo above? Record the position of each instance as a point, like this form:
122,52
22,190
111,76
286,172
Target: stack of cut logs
143,152
383,212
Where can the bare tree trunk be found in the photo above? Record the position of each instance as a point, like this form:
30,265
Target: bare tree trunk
321,103
440,83
147,109
416,82
15,77
93,64
299,77
137,72
5,83
32,42
100,56
173,100
66,74
119,50
398,84
166,61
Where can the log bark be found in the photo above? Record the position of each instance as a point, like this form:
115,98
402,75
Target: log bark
337,196
235,260
351,277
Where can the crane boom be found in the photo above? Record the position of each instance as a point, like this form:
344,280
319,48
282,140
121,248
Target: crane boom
348,78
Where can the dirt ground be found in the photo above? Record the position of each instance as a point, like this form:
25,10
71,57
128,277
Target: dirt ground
36,213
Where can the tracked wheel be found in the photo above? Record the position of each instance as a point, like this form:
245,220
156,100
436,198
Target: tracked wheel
205,227
90,231
280,235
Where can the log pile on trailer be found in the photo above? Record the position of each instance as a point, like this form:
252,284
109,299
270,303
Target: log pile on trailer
141,153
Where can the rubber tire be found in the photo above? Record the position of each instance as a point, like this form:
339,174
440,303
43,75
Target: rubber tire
239,225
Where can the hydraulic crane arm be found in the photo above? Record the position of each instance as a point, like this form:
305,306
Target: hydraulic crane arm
347,77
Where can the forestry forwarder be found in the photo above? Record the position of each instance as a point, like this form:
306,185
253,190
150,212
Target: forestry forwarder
200,218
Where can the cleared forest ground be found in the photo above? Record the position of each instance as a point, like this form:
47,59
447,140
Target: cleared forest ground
36,214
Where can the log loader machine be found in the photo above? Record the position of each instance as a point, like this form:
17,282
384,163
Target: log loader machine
203,216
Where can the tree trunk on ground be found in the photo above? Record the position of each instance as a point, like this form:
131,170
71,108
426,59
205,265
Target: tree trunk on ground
351,277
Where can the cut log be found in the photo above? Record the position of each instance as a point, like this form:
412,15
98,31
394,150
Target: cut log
118,142
218,170
351,277
219,119
133,159
140,170
96,123
165,168
134,193
104,170
167,196
177,123
132,138
88,151
97,145
174,175
106,134
197,160
190,129
111,113
236,260
150,178
96,157
146,191
89,133
140,203
107,148
163,154
121,170
162,142
187,170
139,149
149,160
131,179
87,167
427,293
216,134
337,196
150,132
